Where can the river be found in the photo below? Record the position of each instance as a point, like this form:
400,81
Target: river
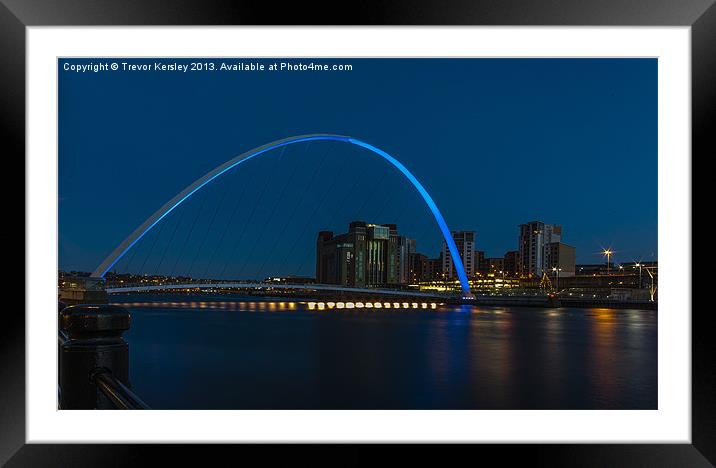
214,352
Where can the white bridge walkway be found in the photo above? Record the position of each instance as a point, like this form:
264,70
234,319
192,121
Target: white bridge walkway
272,286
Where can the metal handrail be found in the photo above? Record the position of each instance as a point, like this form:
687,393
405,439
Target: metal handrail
116,391
62,337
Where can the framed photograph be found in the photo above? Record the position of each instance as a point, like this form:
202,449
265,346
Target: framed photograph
425,224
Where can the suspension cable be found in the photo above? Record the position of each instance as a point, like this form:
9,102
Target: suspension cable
191,230
300,202
171,239
223,235
269,253
208,229
152,248
253,210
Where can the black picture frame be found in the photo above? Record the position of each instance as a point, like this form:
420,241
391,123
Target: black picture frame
16,15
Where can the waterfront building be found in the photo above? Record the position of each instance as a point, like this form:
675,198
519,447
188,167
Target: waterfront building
465,241
415,267
630,268
422,268
481,262
495,265
493,282
511,263
432,269
406,249
534,247
368,255
562,257
638,275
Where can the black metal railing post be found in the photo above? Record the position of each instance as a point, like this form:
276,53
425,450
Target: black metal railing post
93,347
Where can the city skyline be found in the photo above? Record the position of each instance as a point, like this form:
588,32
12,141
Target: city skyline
585,156
515,263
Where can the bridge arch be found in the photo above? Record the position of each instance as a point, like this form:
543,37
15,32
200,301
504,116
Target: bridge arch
169,206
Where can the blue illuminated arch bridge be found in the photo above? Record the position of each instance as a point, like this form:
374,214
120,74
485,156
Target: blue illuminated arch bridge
169,206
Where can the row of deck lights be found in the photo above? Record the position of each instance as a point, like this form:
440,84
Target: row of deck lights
370,305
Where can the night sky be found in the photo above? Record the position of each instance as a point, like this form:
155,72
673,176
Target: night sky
497,142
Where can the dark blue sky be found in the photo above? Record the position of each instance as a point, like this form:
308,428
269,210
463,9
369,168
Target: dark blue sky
497,142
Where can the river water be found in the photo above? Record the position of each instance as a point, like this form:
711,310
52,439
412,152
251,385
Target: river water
213,352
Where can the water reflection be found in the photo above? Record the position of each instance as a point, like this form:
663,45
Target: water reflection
283,305
603,348
491,360
281,354
254,306
555,354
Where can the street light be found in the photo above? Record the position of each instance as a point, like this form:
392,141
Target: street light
639,265
608,253
556,277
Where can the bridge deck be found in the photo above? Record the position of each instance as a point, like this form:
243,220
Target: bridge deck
306,287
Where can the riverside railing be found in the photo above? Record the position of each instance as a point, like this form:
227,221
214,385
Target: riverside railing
94,359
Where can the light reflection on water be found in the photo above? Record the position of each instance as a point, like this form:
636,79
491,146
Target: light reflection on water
215,305
214,352
283,305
